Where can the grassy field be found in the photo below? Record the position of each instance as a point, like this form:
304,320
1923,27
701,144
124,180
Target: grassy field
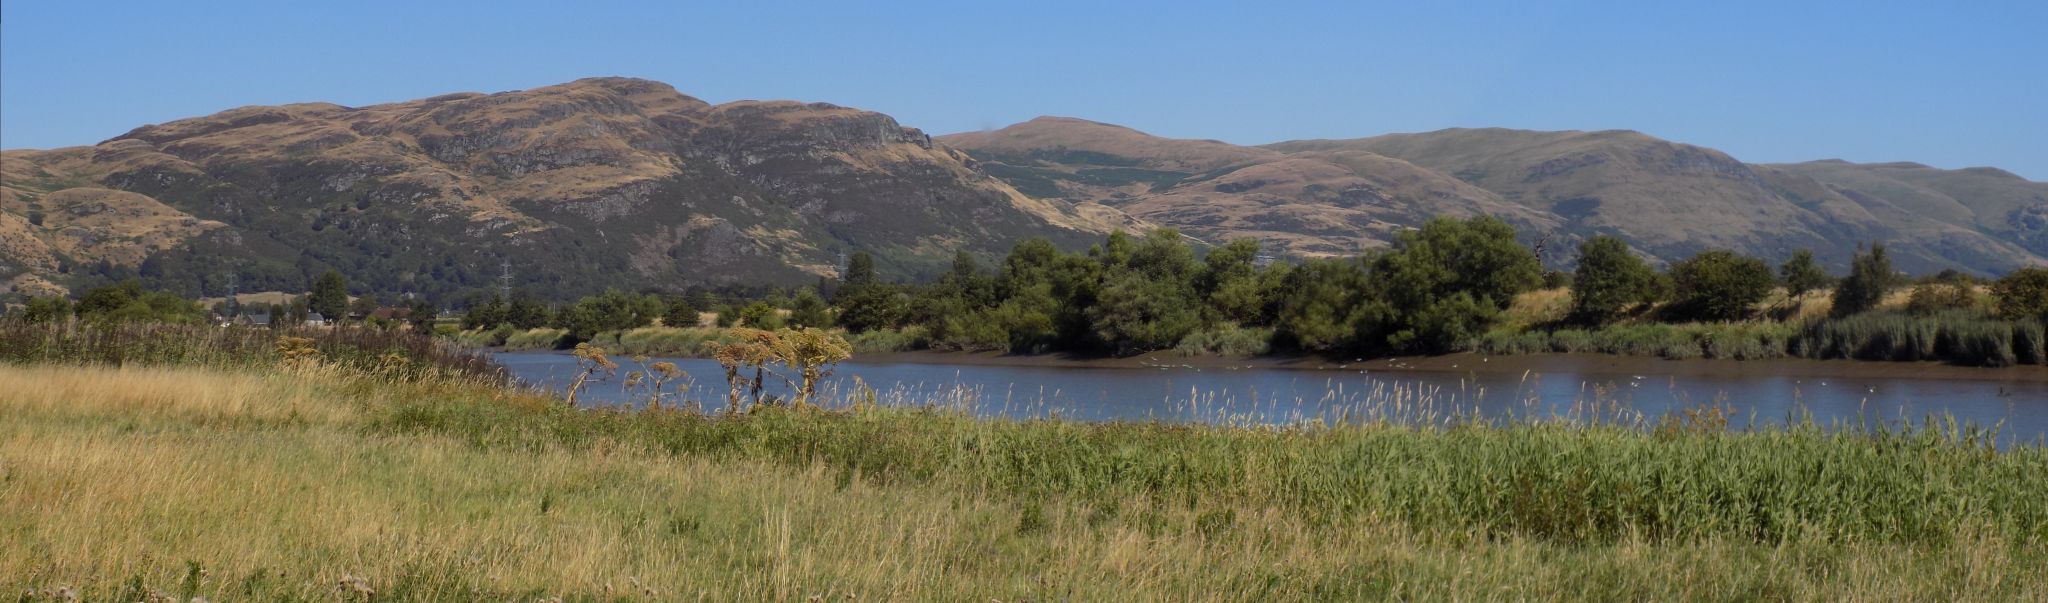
244,476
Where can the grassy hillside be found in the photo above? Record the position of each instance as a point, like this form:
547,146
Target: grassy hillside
226,475
1666,198
592,184
1672,199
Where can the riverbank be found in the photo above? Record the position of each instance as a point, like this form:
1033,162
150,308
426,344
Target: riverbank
1486,364
383,469
287,486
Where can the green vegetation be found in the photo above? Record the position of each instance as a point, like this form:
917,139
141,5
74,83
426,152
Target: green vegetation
285,468
1962,336
1870,278
1718,286
1730,341
1440,286
329,296
1610,280
2023,293
1449,286
1800,274
124,302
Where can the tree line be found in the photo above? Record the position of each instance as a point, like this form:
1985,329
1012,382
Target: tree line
1435,289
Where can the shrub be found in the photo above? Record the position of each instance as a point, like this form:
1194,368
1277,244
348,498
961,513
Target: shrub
1609,279
1719,285
1227,340
1800,274
1870,278
1931,298
2022,294
890,340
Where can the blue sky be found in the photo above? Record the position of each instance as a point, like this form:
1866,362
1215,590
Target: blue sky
1952,84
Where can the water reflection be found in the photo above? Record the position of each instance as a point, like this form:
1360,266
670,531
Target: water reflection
1278,396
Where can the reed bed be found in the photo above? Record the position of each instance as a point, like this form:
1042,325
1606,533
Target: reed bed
166,344
1965,337
172,475
1737,341
1961,336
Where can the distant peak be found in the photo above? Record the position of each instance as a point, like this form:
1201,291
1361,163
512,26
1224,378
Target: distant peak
623,85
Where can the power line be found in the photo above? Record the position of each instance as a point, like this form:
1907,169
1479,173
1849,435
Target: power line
505,280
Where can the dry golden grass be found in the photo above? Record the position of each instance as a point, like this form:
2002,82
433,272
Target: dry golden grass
122,483
1538,307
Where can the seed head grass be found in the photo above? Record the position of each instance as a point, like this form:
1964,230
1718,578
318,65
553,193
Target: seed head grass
340,480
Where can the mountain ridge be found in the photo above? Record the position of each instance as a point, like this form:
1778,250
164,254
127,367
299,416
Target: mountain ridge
629,183
601,182
1668,199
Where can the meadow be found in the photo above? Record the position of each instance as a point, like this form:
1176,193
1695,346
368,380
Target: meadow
170,462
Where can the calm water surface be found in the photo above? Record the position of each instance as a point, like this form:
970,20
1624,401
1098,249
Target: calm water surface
1283,396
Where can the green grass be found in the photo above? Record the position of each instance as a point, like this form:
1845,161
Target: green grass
1961,336
1965,337
1739,341
279,483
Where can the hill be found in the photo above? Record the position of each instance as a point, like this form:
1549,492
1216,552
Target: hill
1667,199
1300,204
607,182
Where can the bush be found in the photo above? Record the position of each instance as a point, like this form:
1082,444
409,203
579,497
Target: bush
2022,294
888,340
1800,274
1931,298
1609,279
1227,340
1870,278
1719,285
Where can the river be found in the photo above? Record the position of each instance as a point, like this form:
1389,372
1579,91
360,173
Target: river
1424,390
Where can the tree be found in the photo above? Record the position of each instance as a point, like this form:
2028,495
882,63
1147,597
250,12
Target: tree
1608,280
363,307
860,270
421,313
760,315
526,312
1444,325
608,311
726,316
1719,285
487,314
1800,274
1229,283
299,311
679,313
1420,280
1133,313
1148,301
1936,297
1870,278
101,300
1324,308
809,310
46,309
2022,294
329,295
967,282
871,306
